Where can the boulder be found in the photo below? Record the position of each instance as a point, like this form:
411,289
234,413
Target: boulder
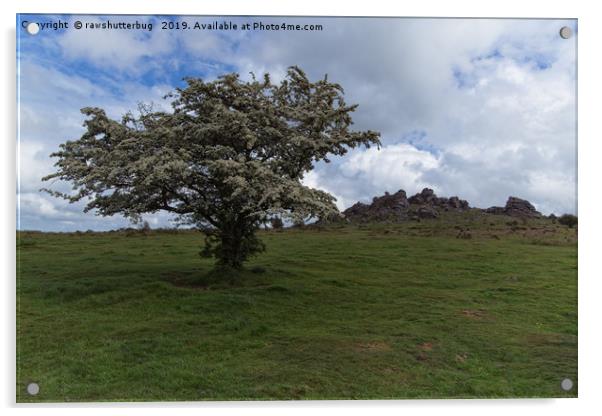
426,211
516,207
426,196
458,204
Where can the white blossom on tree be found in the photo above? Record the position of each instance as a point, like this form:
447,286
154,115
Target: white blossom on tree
230,157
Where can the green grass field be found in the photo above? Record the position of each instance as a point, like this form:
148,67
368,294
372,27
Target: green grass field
349,312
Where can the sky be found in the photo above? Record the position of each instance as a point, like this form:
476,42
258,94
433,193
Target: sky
479,108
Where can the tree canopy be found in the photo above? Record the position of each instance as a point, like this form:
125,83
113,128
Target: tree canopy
230,156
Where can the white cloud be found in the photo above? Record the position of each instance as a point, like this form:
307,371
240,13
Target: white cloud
49,115
312,179
34,164
35,203
119,49
365,174
391,168
495,99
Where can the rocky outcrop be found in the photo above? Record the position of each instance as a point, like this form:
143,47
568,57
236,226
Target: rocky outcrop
426,205
516,207
427,197
384,208
397,207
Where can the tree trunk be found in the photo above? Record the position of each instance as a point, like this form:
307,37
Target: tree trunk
231,252
233,241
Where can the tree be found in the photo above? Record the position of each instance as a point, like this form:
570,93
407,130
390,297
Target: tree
228,158
568,220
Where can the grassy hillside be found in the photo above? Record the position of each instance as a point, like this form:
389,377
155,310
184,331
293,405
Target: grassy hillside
473,306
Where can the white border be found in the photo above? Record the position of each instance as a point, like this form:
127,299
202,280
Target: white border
590,68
